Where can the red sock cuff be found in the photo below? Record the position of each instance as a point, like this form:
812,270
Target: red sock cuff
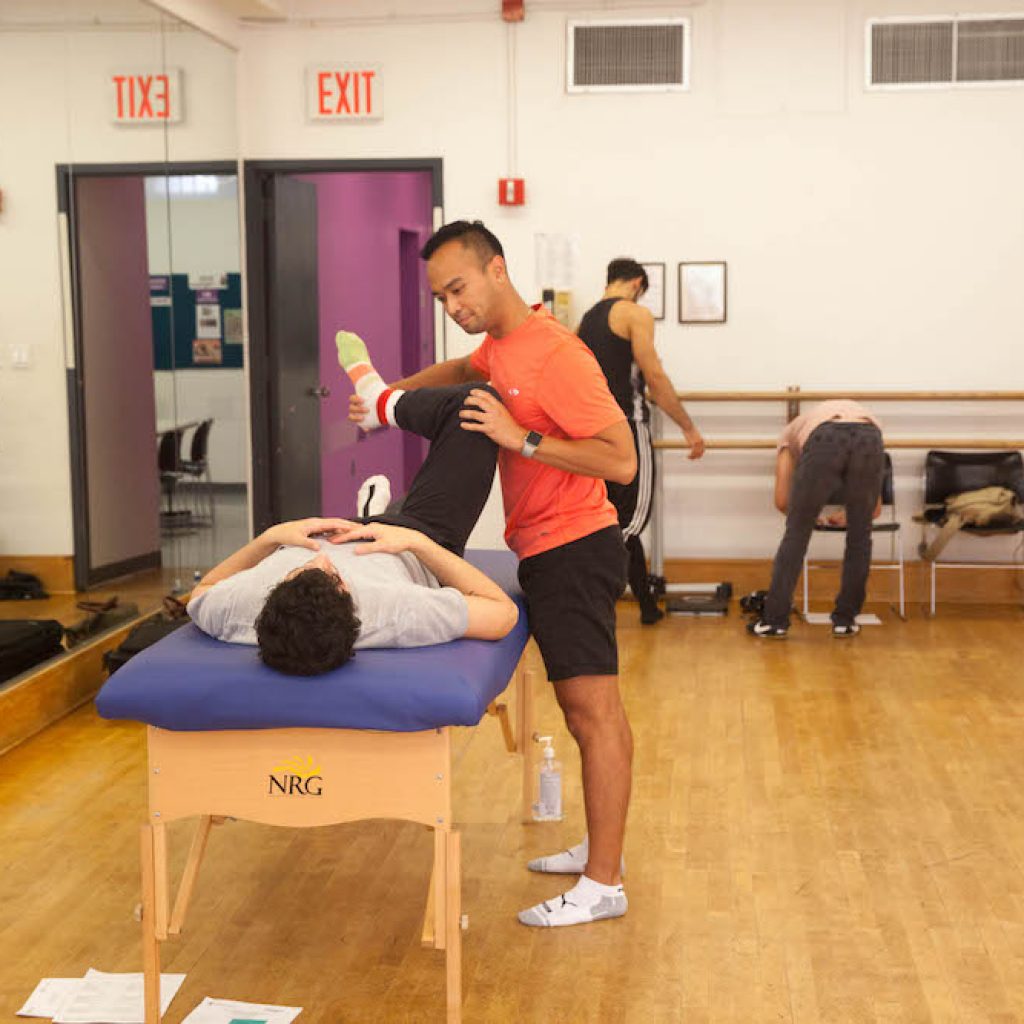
382,403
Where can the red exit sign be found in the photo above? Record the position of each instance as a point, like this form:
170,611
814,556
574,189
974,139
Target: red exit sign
146,97
348,92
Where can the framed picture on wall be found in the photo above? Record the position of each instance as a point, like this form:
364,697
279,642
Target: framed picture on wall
702,288
654,298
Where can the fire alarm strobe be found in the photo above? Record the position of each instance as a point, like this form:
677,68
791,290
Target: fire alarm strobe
511,191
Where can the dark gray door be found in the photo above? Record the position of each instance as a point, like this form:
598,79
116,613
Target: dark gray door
293,349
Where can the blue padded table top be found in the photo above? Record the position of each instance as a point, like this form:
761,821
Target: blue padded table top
192,683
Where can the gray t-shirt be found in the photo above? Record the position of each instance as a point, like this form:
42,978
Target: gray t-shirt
400,603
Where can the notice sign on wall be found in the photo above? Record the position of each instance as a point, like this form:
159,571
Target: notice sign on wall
146,97
349,92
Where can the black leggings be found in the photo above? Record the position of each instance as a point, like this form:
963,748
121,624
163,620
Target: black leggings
449,491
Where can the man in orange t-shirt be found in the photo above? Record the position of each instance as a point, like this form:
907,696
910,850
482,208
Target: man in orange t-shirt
560,435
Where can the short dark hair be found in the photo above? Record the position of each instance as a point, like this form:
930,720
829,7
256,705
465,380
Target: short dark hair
472,234
626,269
308,625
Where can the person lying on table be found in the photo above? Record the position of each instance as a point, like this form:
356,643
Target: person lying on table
311,592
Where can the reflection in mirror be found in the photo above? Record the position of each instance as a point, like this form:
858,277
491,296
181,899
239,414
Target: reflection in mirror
198,372
198,350
140,129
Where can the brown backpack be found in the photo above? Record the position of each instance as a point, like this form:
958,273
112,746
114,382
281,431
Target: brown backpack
995,507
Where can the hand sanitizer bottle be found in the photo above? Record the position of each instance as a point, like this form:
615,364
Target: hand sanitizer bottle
548,806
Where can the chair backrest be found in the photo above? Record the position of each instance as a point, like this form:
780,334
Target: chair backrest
201,441
947,473
168,453
838,498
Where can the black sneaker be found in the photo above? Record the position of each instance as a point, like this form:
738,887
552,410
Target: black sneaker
652,616
766,631
841,632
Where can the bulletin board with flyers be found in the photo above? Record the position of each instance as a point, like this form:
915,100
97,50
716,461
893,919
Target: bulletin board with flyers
196,323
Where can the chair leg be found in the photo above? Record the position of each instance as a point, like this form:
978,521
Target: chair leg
209,495
932,603
903,602
807,602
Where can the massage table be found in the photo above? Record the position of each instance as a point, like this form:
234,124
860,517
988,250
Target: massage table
230,738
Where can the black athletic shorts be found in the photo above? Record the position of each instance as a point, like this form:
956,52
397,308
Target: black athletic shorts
570,597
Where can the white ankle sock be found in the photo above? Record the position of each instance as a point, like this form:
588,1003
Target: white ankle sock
374,495
586,901
569,862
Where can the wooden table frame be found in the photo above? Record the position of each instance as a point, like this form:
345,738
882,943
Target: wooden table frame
300,778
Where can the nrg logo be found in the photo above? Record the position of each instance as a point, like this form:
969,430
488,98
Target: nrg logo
295,777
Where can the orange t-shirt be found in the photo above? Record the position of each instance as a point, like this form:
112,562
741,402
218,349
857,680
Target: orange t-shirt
550,382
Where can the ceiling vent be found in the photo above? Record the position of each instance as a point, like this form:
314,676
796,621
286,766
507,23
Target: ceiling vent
650,55
949,52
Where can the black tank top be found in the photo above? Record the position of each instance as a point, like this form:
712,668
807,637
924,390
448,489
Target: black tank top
615,356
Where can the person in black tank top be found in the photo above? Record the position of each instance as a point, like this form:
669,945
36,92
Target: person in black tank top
620,333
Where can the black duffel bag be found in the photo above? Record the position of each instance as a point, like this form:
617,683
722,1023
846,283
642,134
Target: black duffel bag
139,637
21,586
27,642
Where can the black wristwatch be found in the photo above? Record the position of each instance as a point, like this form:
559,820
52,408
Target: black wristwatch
530,444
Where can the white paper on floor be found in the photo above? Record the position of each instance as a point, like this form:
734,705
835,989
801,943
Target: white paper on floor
49,997
825,619
115,999
228,1011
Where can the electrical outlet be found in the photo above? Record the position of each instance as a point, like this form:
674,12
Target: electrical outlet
21,356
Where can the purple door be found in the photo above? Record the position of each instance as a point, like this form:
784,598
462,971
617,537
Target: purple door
371,225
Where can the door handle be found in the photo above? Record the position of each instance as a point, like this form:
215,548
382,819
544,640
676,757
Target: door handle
320,392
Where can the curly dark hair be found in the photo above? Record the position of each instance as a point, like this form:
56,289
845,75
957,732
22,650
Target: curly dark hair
307,625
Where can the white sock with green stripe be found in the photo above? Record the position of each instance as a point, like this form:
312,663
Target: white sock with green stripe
379,398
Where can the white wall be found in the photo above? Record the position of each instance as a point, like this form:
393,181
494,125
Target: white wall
873,239
54,109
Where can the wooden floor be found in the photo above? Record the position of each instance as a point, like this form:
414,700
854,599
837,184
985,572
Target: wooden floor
820,831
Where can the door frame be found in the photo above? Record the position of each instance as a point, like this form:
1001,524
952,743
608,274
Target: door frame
85,575
256,175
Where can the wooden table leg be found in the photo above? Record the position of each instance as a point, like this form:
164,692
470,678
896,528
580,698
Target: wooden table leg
188,879
453,922
150,942
434,919
524,737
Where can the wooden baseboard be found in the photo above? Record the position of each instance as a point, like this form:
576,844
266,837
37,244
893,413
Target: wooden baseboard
954,586
56,571
42,696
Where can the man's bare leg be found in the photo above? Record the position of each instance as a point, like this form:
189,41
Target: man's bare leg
597,720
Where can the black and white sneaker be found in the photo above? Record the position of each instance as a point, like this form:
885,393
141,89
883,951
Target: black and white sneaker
841,632
765,630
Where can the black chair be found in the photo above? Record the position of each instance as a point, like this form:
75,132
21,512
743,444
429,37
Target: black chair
197,465
169,464
889,525
949,473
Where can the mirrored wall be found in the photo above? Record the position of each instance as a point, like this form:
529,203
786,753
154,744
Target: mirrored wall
121,119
